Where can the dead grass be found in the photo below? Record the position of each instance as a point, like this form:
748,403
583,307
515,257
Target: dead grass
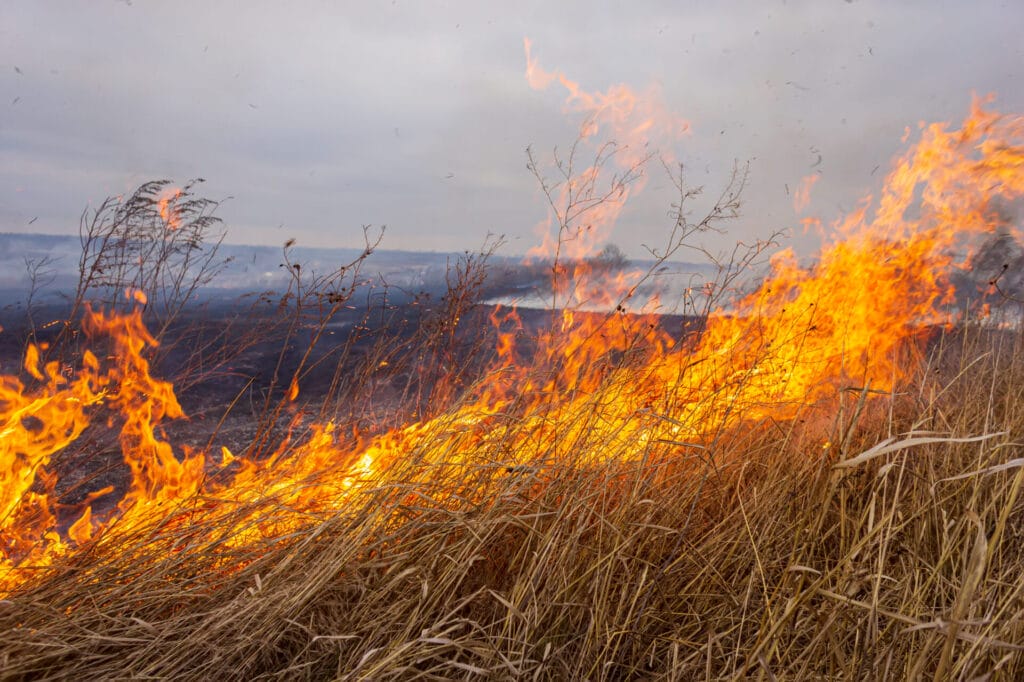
895,553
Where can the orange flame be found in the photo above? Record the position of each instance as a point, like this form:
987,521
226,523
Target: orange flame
170,213
629,118
638,124
802,196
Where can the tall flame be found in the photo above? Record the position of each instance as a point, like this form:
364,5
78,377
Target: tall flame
637,124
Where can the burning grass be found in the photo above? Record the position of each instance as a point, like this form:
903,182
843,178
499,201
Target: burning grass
885,556
821,482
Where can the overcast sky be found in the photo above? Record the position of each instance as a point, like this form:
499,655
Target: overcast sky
319,117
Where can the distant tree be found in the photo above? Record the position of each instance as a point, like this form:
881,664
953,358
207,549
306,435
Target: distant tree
610,259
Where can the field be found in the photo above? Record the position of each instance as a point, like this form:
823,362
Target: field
813,476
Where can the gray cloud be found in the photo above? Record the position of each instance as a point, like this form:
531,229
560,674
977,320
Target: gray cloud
318,118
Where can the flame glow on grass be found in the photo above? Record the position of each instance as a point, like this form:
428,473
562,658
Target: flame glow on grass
597,386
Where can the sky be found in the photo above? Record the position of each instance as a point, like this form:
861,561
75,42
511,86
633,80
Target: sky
312,119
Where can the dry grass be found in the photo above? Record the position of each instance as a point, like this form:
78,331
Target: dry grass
895,553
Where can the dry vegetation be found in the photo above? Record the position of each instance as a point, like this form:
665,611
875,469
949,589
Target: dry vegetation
763,555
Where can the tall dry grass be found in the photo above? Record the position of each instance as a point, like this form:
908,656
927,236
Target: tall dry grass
893,553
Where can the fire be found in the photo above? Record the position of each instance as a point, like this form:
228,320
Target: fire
597,385
167,207
628,117
632,126
802,195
